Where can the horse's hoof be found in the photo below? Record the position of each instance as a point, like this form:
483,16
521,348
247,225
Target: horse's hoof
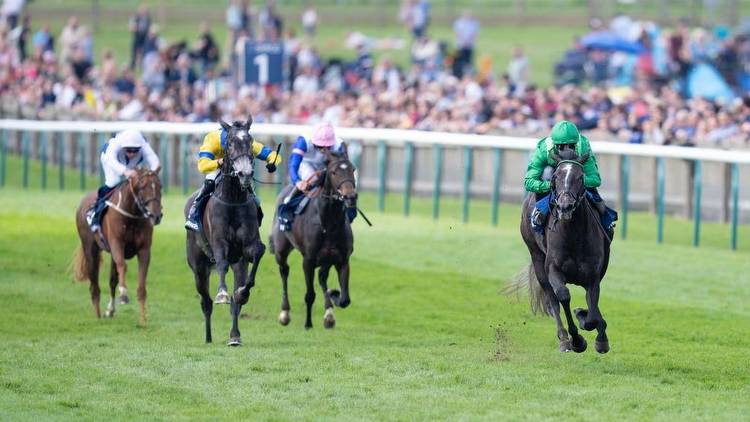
308,327
234,341
565,346
222,298
601,346
284,318
124,299
328,320
579,344
109,314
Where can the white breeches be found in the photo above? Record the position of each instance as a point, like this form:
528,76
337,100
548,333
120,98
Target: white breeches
213,175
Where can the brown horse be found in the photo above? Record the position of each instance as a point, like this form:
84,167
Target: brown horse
127,229
323,235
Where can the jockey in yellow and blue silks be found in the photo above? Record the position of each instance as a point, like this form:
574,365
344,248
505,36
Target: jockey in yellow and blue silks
306,159
210,157
539,174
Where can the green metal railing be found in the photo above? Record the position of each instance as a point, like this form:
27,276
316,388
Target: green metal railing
82,142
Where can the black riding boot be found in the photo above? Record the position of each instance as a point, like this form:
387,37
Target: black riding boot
286,211
98,208
196,210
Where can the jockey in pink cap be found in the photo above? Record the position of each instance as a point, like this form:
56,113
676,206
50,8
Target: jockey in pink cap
306,159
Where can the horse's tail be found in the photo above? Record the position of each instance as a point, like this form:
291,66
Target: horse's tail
79,265
526,278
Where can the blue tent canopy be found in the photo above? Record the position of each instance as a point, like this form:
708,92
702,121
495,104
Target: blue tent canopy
606,40
706,82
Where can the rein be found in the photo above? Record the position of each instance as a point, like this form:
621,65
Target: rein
141,205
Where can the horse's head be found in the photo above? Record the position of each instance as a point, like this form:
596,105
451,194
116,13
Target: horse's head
567,183
146,188
238,157
340,177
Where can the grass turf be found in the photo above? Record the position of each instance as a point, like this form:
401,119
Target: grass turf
427,335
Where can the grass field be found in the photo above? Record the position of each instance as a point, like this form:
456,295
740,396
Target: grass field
427,335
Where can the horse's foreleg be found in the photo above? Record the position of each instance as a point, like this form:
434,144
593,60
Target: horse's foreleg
110,312
118,257
281,259
222,266
553,305
329,321
255,254
240,273
343,300
557,281
308,266
144,259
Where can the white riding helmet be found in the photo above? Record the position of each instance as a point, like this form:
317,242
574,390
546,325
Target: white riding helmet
130,138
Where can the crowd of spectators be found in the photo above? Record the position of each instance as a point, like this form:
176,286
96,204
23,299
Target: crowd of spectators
444,88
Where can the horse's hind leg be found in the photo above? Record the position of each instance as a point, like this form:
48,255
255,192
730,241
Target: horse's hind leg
144,259
593,319
308,266
281,259
329,321
110,312
201,273
93,257
553,305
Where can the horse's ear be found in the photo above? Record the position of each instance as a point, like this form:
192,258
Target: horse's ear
224,125
344,149
249,122
584,157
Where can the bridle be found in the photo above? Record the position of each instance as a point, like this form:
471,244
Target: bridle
576,198
336,195
141,205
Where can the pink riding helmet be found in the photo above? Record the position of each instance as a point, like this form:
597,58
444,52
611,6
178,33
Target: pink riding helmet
324,136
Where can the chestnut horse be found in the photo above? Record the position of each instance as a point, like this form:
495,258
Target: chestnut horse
127,229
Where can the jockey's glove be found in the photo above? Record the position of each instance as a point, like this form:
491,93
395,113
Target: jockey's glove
271,167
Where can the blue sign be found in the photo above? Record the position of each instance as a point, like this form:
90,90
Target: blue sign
263,63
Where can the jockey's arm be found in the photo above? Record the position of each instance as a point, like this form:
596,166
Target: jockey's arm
295,159
265,153
110,158
207,155
533,181
591,177
151,158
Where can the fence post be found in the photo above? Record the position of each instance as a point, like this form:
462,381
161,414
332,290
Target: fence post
697,203
624,193
101,140
25,151
164,160
82,160
438,180
184,156
660,199
60,139
467,183
498,166
3,155
43,157
381,175
408,165
735,203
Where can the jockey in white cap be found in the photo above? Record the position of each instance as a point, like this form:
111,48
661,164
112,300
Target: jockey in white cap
119,158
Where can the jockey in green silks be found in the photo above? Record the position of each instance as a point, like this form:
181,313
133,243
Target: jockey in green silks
541,168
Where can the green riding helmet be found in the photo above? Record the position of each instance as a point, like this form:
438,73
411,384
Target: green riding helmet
565,132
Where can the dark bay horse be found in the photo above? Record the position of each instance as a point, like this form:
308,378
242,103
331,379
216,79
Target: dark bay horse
323,235
230,226
127,229
573,250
